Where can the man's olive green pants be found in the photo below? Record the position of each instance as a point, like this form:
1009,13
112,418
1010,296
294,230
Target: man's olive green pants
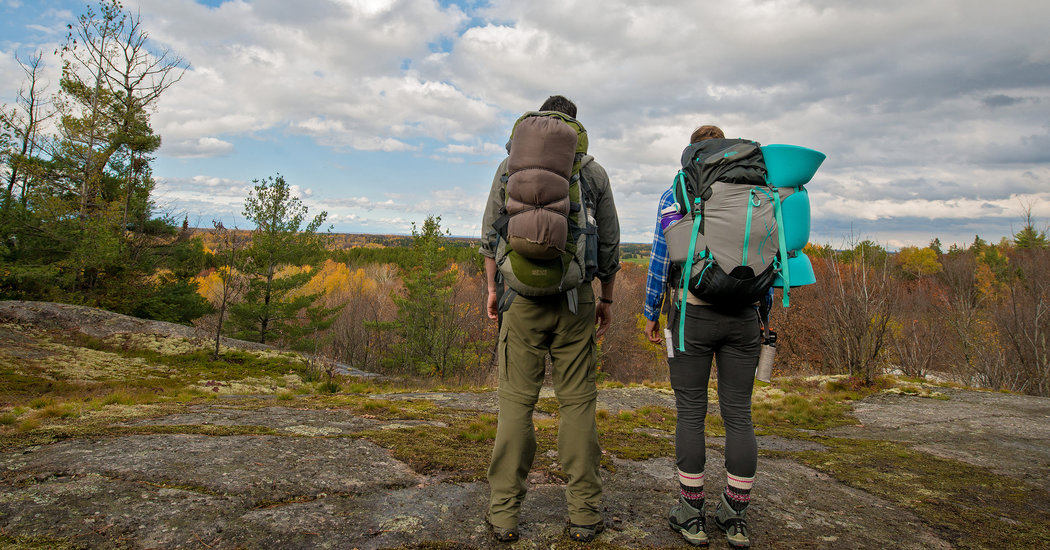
531,328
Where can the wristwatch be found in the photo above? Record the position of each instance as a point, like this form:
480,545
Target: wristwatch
604,300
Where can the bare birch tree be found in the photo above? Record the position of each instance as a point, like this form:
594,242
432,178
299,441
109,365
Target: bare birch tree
32,110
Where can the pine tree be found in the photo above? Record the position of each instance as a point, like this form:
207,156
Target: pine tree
936,247
1029,238
433,341
279,240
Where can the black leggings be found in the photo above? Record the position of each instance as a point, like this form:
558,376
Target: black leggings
733,339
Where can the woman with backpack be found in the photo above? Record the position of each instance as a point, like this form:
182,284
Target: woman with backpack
729,334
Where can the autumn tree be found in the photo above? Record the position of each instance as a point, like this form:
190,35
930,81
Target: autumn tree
858,300
918,262
282,237
359,338
919,332
1022,317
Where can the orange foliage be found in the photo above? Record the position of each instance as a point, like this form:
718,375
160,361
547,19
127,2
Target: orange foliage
987,285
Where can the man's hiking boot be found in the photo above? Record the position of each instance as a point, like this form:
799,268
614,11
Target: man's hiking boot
503,534
585,533
733,523
688,521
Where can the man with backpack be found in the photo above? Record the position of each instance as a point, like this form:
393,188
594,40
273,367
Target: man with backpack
550,227
723,324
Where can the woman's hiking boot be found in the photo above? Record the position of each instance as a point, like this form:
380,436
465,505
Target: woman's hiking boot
688,521
733,523
585,533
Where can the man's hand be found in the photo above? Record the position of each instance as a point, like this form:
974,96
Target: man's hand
602,317
490,276
492,305
652,331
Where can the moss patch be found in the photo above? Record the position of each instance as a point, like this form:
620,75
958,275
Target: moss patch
144,368
461,449
434,450
807,403
25,542
635,434
45,436
972,507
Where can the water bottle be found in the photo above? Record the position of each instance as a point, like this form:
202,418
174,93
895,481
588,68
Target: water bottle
669,215
765,357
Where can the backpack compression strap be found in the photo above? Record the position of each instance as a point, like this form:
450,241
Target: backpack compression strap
783,248
680,181
687,270
751,204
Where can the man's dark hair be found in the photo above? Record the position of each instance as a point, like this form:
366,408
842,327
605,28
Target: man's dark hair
561,104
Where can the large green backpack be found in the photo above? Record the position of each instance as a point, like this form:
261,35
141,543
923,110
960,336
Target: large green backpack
547,234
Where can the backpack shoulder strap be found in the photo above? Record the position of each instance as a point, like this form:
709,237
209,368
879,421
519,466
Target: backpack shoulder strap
503,220
586,189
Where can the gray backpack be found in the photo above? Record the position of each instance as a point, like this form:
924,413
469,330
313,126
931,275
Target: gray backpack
726,245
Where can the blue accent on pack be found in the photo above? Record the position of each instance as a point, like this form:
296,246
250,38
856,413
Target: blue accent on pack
790,165
801,272
785,267
796,213
687,270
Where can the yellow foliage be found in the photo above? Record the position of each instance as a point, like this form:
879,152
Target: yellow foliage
290,270
918,262
210,285
158,275
333,282
336,283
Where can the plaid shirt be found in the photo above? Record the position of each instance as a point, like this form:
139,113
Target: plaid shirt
658,264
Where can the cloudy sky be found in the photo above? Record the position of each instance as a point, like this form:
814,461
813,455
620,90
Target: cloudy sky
934,114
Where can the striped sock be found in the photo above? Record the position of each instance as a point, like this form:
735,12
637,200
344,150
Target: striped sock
738,491
691,487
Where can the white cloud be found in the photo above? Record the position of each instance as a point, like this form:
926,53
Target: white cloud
928,111
329,69
217,182
361,203
481,149
837,206
198,148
